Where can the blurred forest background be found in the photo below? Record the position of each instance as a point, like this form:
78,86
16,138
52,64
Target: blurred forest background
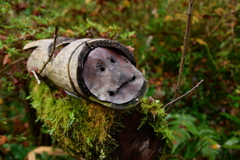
205,124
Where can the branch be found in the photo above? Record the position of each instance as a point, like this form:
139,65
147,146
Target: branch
175,100
185,43
51,54
35,75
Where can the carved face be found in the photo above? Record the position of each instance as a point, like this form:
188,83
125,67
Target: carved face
111,77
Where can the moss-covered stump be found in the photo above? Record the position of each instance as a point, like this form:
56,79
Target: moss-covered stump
91,131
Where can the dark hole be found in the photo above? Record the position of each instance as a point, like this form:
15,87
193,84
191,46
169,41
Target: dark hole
100,67
111,93
112,60
133,78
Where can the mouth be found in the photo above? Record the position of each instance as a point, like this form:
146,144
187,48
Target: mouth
112,93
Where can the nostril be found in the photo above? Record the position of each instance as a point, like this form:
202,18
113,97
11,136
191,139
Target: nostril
133,78
111,93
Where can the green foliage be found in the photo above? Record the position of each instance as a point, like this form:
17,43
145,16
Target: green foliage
192,138
18,151
234,119
96,30
195,138
232,143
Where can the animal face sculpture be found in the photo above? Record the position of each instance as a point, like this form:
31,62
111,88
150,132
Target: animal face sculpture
111,77
97,69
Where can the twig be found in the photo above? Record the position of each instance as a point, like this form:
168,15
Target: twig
51,54
35,75
185,43
175,100
11,64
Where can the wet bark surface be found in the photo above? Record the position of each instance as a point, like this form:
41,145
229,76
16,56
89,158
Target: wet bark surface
137,144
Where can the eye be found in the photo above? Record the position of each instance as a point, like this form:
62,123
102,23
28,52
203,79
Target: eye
111,93
100,67
112,59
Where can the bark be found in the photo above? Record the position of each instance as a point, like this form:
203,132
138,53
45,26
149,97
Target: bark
136,144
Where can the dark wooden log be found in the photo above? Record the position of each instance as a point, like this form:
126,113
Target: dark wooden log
137,144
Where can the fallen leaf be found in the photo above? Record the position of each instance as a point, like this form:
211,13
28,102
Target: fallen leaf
3,139
219,11
168,18
216,146
69,32
200,41
126,3
195,19
2,37
87,1
6,59
130,48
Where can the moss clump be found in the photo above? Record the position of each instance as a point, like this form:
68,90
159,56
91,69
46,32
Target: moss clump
84,128
155,116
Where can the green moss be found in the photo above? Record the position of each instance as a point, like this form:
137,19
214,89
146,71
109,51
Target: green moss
85,128
155,116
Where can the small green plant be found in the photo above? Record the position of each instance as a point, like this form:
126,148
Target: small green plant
195,138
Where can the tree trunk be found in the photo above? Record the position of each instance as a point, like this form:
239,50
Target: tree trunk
137,144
